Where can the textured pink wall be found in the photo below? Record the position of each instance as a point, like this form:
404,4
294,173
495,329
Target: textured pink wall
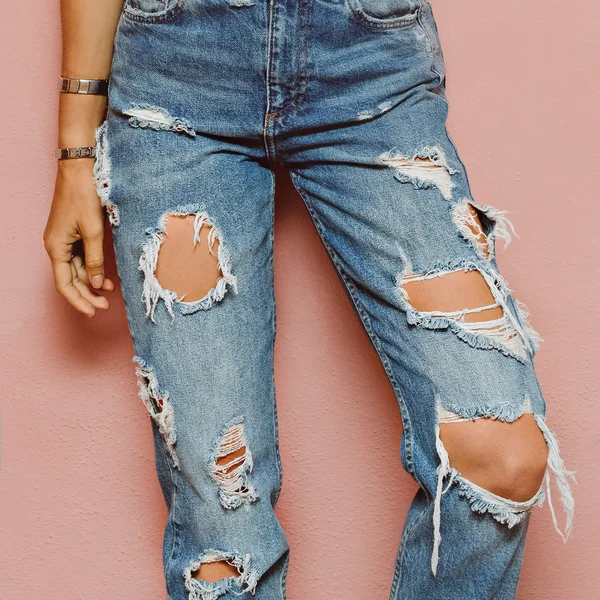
81,511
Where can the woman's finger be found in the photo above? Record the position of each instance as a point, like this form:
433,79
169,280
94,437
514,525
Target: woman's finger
63,281
93,244
96,300
107,284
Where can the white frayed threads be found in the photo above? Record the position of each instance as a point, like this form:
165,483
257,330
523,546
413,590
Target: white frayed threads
464,216
447,416
505,511
153,291
561,474
147,116
534,337
101,172
369,113
158,405
206,590
443,470
235,488
518,342
426,168
503,333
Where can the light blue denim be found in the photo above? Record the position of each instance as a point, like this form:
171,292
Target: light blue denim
205,97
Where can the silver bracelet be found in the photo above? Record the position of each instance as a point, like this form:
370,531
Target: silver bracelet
70,85
81,152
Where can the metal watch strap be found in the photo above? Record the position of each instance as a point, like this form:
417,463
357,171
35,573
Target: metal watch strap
81,152
83,86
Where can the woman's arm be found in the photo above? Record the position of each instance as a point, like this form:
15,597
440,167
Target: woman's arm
88,30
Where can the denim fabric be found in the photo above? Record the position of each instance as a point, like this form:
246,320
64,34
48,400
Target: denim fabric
205,97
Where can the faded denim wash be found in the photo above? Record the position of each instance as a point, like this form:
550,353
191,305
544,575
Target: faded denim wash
205,97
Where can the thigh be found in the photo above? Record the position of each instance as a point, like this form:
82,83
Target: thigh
419,254
391,198
192,221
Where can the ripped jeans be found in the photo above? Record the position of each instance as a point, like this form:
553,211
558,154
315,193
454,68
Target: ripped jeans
205,97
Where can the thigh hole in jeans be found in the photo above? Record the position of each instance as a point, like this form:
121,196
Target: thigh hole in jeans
454,292
188,262
184,263
471,302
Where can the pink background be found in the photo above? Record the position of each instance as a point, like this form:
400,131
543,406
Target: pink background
81,511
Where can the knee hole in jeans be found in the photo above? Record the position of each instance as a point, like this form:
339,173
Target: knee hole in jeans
508,459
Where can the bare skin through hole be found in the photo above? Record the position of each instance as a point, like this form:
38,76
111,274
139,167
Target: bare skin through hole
213,571
507,459
228,458
191,271
427,163
454,291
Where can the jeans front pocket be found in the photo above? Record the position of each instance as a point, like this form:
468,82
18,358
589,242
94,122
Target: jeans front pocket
384,14
151,11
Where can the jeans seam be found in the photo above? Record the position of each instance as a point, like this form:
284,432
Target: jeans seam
172,521
379,24
302,76
284,574
400,561
164,17
430,42
278,462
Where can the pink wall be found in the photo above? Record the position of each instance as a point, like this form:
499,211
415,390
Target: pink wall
81,512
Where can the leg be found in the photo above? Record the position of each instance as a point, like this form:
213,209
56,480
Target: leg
390,198
181,173
195,261
459,352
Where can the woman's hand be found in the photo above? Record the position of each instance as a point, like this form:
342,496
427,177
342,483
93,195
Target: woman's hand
75,229
77,220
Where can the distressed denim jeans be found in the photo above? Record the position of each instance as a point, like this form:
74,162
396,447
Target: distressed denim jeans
205,97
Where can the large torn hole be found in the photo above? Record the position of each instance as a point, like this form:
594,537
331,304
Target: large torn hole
481,226
243,582
148,116
537,452
158,405
191,270
469,301
215,570
506,458
453,292
184,261
230,465
424,169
